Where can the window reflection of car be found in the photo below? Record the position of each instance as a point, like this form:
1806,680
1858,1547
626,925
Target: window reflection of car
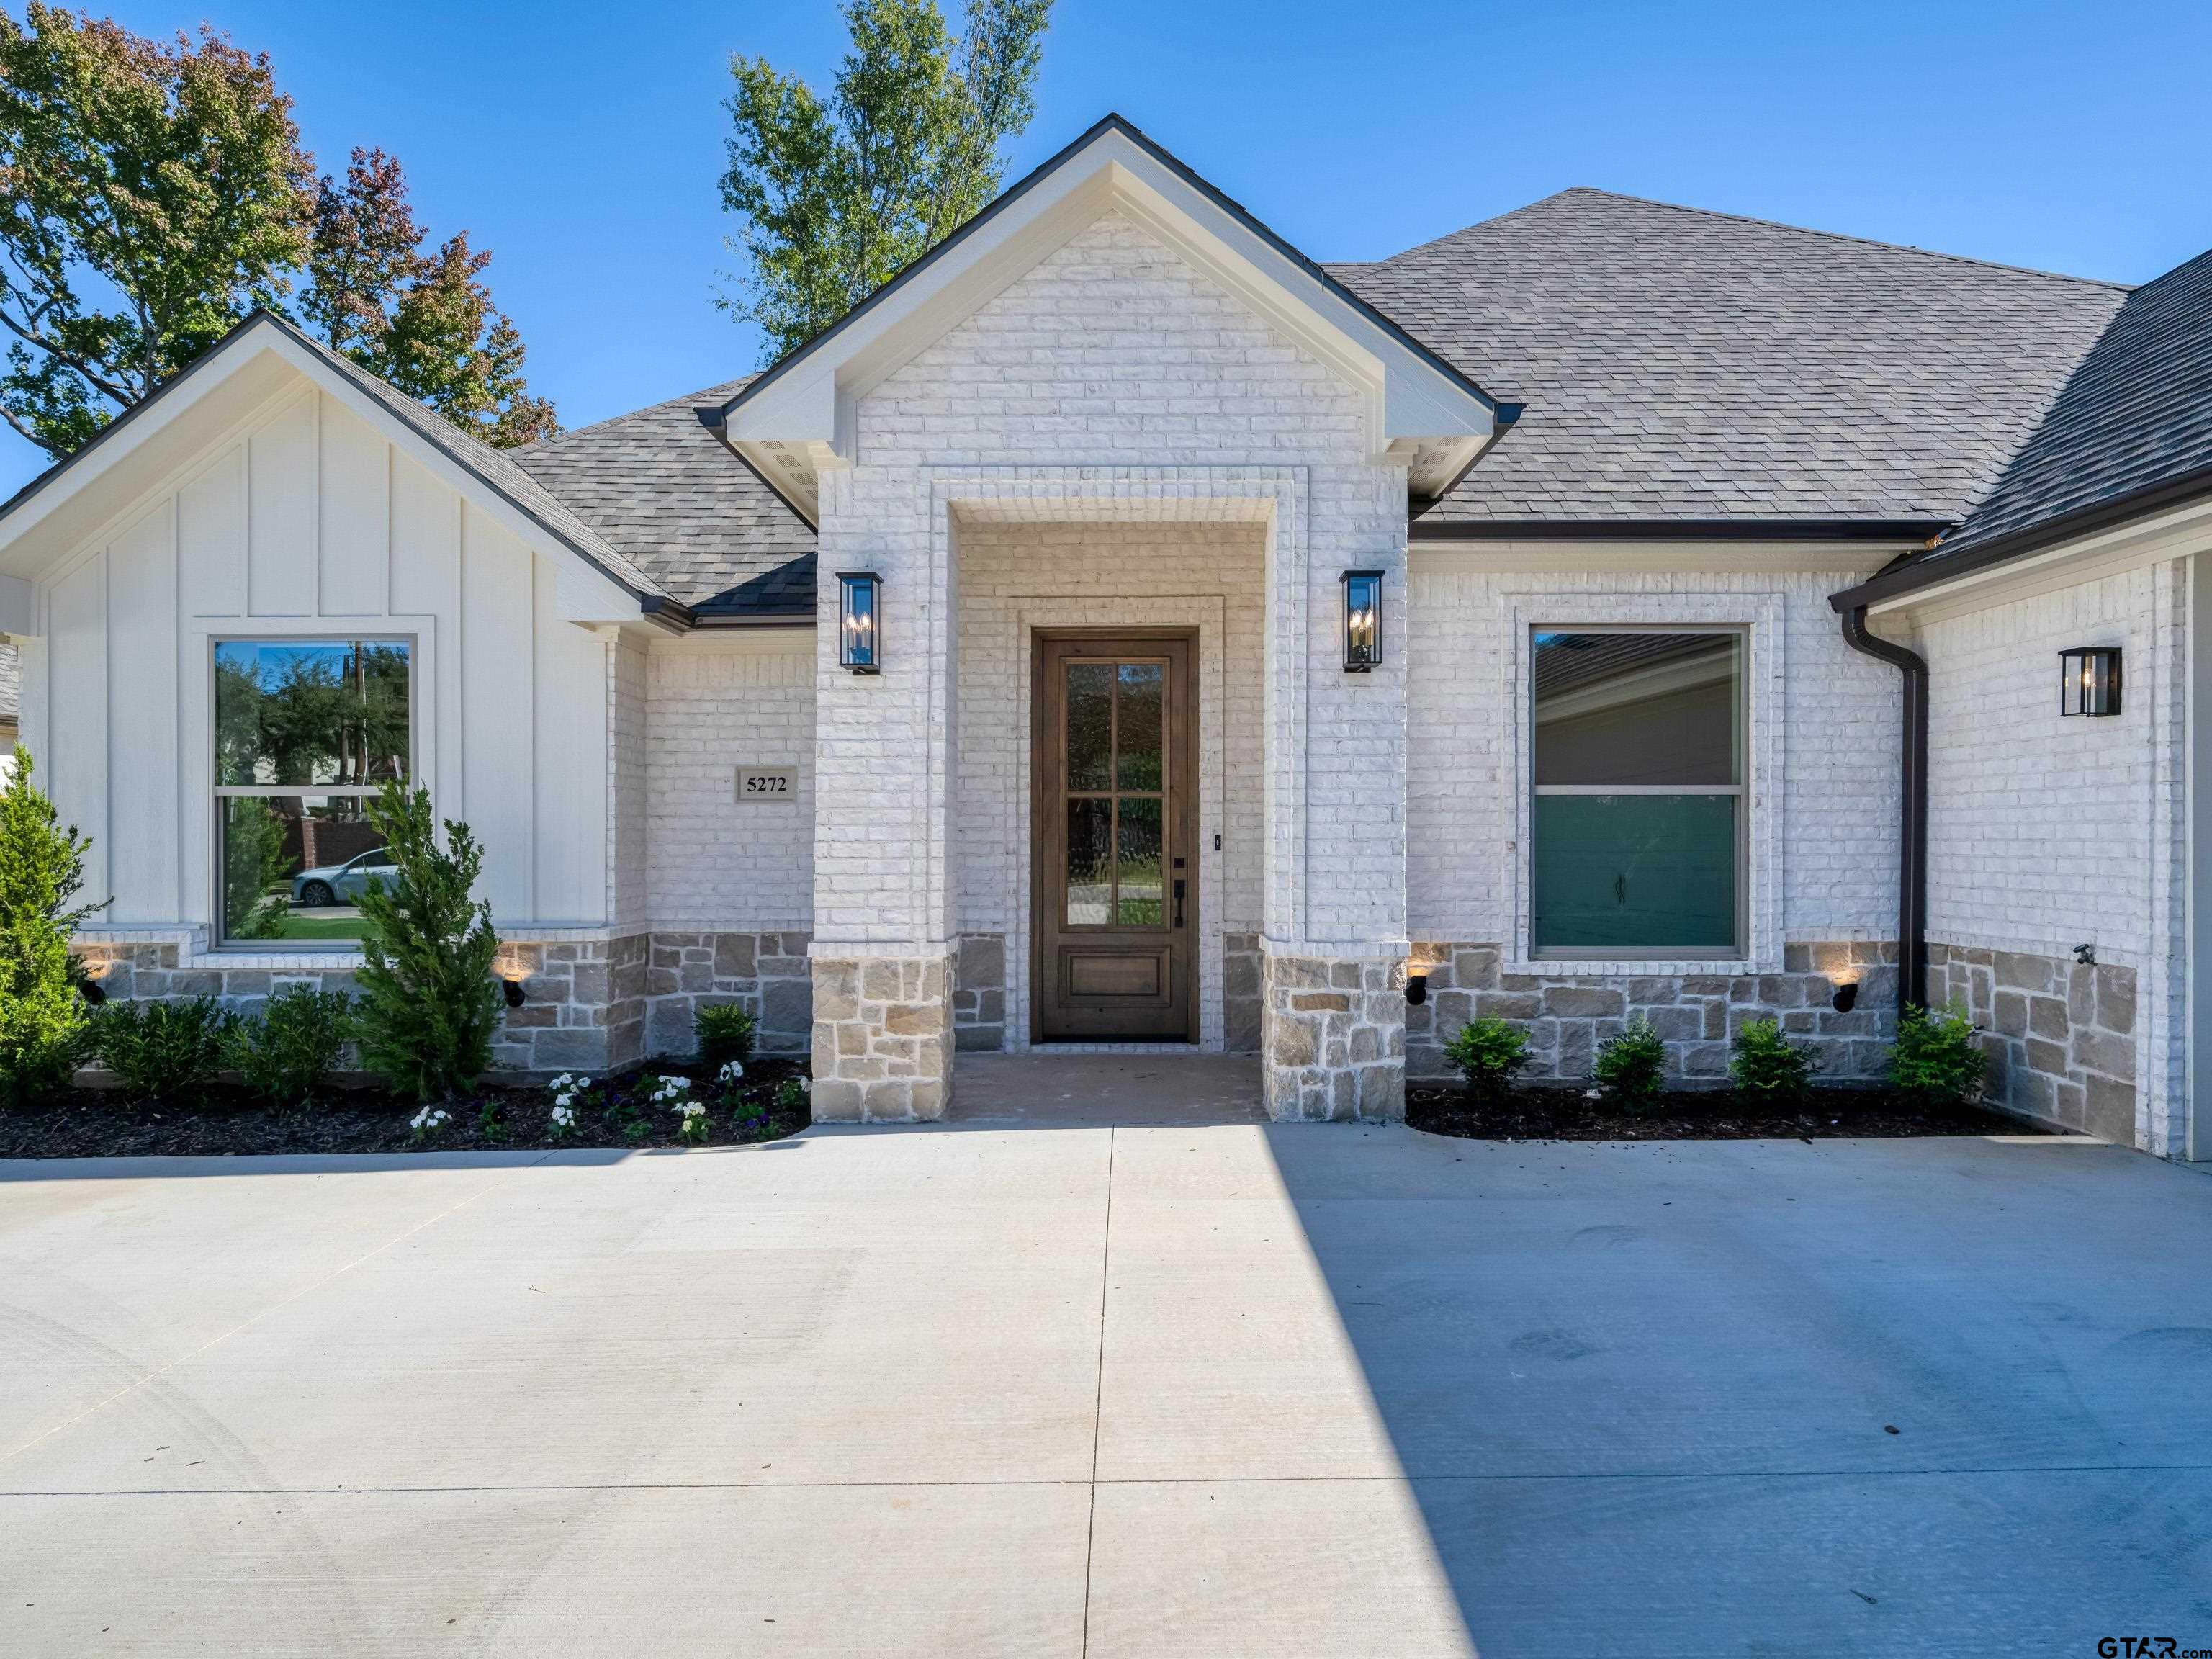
341,884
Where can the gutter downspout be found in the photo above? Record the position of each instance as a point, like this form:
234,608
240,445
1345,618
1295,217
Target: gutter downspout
1913,829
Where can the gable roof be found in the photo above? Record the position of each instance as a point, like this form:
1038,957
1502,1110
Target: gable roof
1421,409
1691,370
496,471
663,491
2130,431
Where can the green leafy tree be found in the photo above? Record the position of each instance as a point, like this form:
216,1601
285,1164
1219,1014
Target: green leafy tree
254,868
429,1005
42,1019
420,320
838,195
153,193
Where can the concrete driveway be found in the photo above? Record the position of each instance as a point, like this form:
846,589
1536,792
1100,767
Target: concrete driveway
1228,1390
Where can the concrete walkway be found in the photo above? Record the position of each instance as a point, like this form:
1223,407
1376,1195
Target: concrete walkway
1210,1390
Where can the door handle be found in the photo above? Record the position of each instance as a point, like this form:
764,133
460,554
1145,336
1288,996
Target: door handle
1178,899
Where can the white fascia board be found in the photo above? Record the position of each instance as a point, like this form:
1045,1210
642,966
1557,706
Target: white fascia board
235,378
1408,397
2154,540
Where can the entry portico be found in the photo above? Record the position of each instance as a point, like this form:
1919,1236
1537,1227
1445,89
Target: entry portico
1112,405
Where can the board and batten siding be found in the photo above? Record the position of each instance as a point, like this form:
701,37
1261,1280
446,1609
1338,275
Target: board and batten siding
307,523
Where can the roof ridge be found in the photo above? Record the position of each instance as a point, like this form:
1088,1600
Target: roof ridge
683,399
1826,235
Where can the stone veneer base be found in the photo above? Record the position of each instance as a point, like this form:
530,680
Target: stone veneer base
1333,1037
588,1004
883,1037
1567,1017
2060,1035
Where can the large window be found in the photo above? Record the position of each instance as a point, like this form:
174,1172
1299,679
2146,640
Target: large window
1638,816
306,731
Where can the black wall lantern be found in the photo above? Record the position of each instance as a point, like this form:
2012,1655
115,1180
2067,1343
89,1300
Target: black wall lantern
1363,621
859,635
2089,681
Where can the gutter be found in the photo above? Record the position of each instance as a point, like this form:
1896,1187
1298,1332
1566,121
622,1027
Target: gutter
1669,530
1912,787
1942,567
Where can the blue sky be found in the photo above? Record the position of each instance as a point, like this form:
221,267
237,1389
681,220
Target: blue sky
581,144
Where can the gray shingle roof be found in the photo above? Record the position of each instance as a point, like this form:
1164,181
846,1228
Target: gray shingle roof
663,488
2136,414
1680,365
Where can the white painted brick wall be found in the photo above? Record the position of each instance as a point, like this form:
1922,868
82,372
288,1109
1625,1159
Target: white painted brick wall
2040,828
716,703
1839,835
1017,577
1113,354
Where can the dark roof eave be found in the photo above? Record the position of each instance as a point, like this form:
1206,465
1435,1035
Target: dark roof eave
1674,530
1939,565
1115,123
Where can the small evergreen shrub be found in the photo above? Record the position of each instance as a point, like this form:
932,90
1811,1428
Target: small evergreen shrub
428,1003
1767,1067
1935,1060
724,1032
171,1050
287,1056
1488,1051
1631,1068
43,1022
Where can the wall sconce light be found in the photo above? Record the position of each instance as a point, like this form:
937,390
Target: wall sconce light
2089,681
1846,997
91,991
860,643
1363,621
1417,990
512,990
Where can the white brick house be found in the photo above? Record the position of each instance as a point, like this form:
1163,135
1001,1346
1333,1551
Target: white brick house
1646,495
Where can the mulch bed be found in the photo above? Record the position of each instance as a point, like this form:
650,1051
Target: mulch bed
104,1123
1694,1115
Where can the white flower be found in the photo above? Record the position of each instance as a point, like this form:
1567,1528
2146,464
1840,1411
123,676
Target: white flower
689,1109
730,1072
806,1085
560,1082
674,1082
429,1119
564,1116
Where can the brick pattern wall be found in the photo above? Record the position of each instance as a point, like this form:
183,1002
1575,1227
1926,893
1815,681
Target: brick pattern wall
1837,801
630,781
718,703
2046,832
1017,578
1117,379
1567,1017
1334,1038
883,1038
583,1006
2060,1035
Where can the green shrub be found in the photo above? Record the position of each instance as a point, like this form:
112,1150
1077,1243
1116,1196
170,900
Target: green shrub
287,1055
724,1033
428,1003
168,1050
1632,1067
1488,1051
1767,1067
1936,1060
44,1024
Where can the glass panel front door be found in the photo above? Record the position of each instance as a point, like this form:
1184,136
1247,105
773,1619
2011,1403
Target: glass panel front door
1114,892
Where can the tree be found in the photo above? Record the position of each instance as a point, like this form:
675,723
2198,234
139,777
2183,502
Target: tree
153,193
837,197
429,1005
421,321
42,1019
150,195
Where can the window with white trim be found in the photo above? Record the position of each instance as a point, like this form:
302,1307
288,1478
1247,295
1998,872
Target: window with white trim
306,732
1637,820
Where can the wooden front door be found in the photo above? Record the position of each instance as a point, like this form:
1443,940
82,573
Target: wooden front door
1115,885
